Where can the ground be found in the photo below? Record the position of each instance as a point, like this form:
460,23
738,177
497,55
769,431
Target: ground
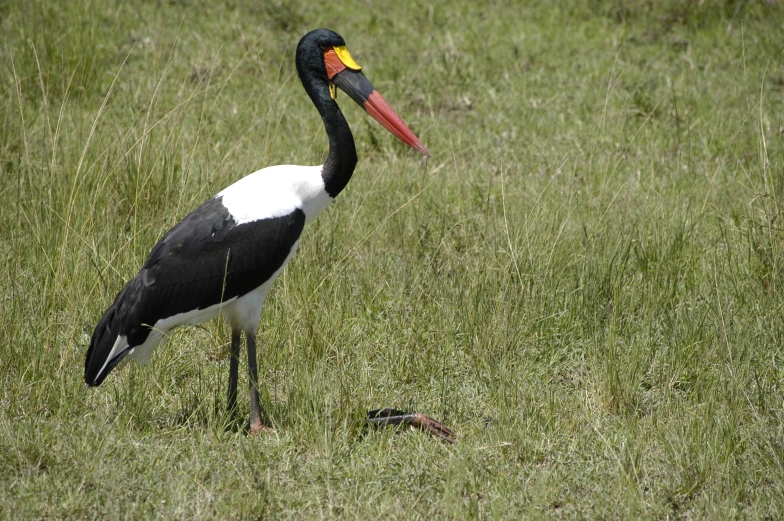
585,280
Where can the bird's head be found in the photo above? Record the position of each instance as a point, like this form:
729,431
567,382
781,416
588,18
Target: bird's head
322,54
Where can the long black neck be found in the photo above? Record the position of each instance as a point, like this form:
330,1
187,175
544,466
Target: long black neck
342,156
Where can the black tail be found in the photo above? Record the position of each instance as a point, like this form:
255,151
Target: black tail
113,325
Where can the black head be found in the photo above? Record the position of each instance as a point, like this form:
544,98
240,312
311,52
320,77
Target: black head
310,52
325,65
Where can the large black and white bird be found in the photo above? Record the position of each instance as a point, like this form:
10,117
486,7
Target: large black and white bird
224,256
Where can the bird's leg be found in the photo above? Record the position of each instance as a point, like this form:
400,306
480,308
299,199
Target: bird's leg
255,408
386,417
233,368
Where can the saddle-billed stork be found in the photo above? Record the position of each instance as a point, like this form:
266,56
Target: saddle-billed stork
224,256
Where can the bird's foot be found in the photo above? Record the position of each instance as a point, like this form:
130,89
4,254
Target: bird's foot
385,417
258,428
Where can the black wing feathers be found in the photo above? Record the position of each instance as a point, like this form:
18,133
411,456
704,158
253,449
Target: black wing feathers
105,335
207,258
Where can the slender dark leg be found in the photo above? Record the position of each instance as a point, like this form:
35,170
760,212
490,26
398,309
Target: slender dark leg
386,417
255,408
233,367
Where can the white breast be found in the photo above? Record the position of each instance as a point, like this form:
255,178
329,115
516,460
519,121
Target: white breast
277,191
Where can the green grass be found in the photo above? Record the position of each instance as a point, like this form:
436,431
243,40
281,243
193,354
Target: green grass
585,281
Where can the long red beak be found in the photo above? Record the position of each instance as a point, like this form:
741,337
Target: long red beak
357,86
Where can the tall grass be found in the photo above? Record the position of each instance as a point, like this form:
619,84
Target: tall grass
585,280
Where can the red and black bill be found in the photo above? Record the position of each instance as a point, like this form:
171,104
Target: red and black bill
358,87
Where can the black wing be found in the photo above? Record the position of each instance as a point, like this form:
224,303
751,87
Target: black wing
206,259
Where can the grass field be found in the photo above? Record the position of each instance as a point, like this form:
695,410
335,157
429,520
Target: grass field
585,281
